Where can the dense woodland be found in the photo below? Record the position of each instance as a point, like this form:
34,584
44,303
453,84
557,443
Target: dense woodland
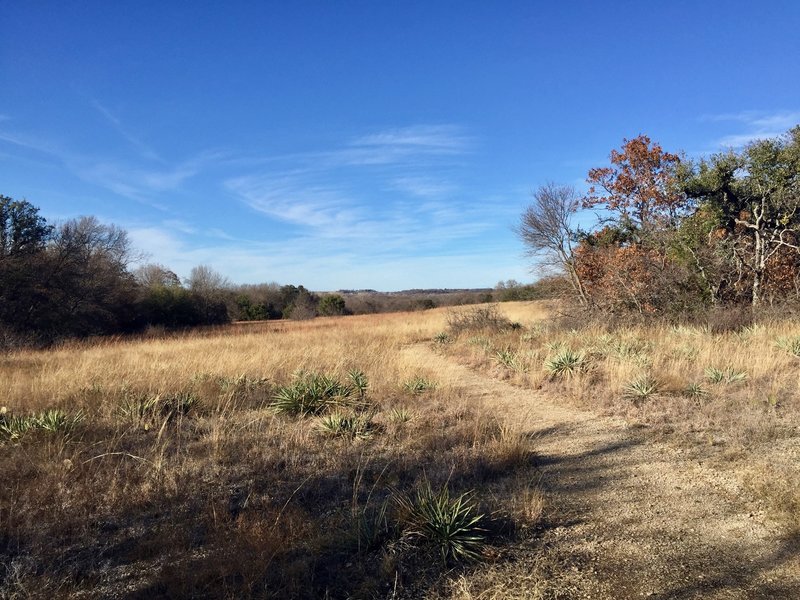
676,236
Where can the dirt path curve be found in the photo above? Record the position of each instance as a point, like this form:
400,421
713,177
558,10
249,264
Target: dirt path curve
630,518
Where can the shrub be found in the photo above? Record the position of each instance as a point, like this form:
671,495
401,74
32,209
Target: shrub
331,305
480,319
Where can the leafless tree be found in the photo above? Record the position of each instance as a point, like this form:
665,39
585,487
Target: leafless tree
153,274
547,232
209,289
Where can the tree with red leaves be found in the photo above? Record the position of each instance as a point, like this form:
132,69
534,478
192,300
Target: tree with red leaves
640,186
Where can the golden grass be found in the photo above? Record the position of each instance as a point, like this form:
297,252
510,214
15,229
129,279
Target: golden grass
748,422
232,500
225,498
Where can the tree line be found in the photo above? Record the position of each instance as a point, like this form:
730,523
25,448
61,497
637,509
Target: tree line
80,278
77,279
675,235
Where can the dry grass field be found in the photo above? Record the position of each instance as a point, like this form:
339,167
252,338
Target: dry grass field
160,468
434,454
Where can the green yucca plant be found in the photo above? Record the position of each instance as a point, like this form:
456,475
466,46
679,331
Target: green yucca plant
240,383
14,427
147,407
400,415
642,388
359,382
441,338
52,421
371,526
138,407
695,390
565,363
450,525
311,394
55,421
727,375
511,360
791,345
482,342
340,424
418,385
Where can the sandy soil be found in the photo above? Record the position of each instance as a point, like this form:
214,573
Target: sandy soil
628,517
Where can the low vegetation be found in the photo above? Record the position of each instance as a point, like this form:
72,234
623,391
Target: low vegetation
280,460
729,396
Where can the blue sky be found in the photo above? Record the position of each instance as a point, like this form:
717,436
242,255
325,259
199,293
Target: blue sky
365,144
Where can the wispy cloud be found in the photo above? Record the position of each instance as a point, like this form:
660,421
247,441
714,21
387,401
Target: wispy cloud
756,125
325,266
424,187
291,198
144,150
421,138
30,142
379,188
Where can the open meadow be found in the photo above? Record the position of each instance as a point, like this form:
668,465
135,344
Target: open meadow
489,452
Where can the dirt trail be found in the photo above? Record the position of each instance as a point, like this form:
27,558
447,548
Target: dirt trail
631,518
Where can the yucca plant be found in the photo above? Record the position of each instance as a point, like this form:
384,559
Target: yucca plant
14,427
790,345
511,360
52,421
399,415
138,407
727,375
450,525
441,338
371,526
340,424
695,390
418,385
240,383
359,382
310,394
642,388
55,421
482,342
565,363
